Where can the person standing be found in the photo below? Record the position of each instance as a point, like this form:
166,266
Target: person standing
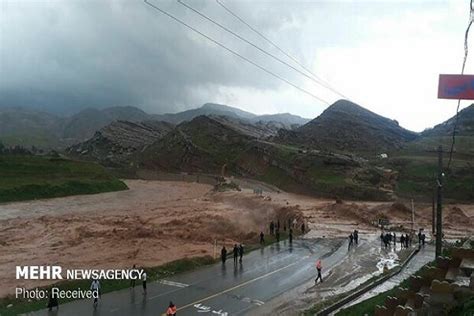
53,301
171,311
395,240
407,240
351,239
302,228
402,241
277,235
262,238
272,228
236,253
241,252
356,236
144,282
319,267
95,287
133,279
223,254
290,236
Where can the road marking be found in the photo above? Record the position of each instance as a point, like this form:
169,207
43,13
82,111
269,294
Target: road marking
257,302
239,285
172,283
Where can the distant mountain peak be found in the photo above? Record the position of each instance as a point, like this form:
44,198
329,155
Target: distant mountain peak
348,126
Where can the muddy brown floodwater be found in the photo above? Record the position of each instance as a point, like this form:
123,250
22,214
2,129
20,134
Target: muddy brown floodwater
160,221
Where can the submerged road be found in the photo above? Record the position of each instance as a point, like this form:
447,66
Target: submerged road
230,289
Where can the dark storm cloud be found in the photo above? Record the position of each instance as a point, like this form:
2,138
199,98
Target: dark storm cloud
66,55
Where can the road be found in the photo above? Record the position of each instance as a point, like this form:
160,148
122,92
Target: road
220,289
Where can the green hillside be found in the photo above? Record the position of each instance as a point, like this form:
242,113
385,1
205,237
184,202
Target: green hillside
26,177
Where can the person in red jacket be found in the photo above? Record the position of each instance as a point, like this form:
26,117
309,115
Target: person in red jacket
319,267
171,311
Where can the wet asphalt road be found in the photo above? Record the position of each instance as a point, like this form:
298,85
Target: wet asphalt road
220,289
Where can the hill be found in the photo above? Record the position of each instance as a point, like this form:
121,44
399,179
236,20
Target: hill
26,127
84,124
115,143
465,125
290,121
348,127
203,144
29,127
206,109
207,144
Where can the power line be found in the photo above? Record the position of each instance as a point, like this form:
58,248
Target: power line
253,44
234,52
466,52
323,82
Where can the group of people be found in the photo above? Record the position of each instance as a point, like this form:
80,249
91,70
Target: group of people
354,238
238,252
388,238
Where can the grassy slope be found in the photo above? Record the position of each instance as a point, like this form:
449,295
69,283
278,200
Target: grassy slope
34,177
418,165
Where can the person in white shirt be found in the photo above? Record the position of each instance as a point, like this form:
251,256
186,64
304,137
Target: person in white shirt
95,286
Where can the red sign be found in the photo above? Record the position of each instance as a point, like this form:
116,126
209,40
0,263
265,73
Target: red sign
456,87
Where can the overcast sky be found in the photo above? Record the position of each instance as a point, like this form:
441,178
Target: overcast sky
383,55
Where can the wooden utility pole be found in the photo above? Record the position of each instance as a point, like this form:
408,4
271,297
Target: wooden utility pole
439,204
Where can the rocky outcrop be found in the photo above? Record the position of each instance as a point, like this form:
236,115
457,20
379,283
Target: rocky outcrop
115,143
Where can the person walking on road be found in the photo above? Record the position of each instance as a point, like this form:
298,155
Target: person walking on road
52,302
351,239
171,311
223,254
236,253
132,281
319,267
95,287
144,282
356,236
395,240
262,238
241,252
407,240
402,241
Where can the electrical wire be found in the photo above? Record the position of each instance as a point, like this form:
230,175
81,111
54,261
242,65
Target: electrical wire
323,82
466,52
235,53
253,44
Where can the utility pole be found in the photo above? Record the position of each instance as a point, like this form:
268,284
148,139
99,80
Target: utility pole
439,204
433,210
